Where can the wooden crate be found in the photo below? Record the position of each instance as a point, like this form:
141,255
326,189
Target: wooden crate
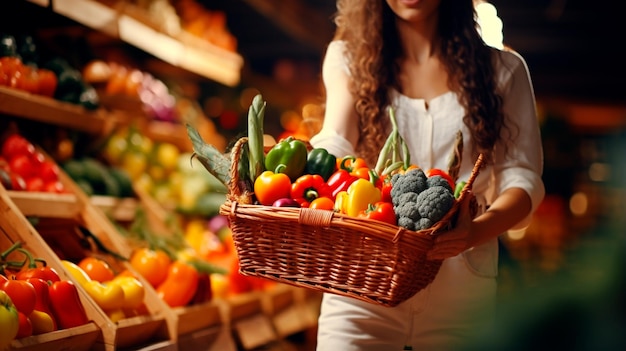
13,228
251,326
281,305
189,323
137,331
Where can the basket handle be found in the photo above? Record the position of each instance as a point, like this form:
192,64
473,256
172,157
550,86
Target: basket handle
480,161
315,217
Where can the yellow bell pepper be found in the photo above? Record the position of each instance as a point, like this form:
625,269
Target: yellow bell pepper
134,291
359,195
107,296
340,202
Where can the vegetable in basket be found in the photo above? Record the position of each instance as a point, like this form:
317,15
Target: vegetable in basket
356,166
270,186
320,161
380,211
359,196
419,201
308,188
290,153
340,181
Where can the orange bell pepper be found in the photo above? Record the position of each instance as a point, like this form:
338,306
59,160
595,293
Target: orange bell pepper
270,186
180,285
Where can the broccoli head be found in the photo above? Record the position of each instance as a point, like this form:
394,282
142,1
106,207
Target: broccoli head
402,198
406,223
438,180
434,202
413,181
408,209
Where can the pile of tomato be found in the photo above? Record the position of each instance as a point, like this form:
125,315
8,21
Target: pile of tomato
34,299
36,80
23,167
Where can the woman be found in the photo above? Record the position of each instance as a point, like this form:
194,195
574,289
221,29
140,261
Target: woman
426,59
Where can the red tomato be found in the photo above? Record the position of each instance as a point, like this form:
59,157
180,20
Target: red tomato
47,82
49,171
38,159
17,182
34,184
23,165
54,186
29,81
15,145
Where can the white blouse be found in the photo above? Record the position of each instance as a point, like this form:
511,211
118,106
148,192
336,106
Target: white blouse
430,130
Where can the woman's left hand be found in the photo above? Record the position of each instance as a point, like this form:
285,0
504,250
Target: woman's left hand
460,238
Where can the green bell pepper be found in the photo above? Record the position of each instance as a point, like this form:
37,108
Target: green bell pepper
289,152
319,161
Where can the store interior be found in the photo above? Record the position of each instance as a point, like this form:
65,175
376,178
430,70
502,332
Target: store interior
146,68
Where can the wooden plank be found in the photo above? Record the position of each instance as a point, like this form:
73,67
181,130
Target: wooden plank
43,204
81,338
90,13
280,304
251,327
44,109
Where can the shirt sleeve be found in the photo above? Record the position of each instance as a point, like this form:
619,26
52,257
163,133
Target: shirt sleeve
335,63
519,156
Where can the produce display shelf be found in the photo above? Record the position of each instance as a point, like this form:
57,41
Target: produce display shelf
133,26
19,103
144,329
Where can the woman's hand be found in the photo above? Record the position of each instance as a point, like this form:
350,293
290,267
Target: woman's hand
458,239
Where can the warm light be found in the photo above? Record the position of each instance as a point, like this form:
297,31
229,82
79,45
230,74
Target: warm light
599,172
578,204
290,120
516,234
247,96
490,25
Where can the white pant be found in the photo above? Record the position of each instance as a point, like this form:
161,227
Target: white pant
459,301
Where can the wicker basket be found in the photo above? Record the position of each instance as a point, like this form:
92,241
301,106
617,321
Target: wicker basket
330,252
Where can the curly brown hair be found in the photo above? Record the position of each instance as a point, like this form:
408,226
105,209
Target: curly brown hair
368,29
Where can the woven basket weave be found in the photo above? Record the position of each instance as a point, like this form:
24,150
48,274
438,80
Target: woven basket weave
330,252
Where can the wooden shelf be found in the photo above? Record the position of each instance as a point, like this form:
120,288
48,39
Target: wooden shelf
131,25
44,109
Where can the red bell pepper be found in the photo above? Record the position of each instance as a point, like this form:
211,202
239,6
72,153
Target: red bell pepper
380,211
66,306
22,293
33,271
308,188
340,181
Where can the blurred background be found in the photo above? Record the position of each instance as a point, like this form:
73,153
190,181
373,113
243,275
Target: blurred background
567,266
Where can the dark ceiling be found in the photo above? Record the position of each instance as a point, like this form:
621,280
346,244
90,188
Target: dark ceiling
573,48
